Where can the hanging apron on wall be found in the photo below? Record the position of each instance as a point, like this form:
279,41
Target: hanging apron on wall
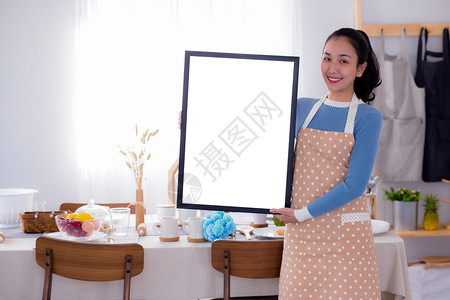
435,77
402,104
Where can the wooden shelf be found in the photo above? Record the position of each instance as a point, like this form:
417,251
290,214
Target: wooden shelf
442,231
396,29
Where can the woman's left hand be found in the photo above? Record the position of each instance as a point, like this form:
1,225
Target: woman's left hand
284,214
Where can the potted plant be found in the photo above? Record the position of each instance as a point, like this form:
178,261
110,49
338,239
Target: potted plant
431,217
405,207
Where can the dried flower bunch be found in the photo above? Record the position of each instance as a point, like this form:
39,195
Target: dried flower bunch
135,159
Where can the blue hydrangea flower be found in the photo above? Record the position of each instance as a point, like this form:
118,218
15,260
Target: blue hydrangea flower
230,227
217,228
227,218
206,223
218,225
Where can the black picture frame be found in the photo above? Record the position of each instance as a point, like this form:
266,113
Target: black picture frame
248,92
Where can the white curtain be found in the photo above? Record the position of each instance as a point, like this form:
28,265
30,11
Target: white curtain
130,60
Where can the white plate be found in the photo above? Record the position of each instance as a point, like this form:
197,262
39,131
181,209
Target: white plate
379,226
98,236
269,232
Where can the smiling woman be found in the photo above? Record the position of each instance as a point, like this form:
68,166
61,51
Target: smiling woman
340,68
328,228
346,56
130,57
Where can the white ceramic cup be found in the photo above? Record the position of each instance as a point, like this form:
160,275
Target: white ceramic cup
167,227
185,214
165,210
120,219
194,227
259,218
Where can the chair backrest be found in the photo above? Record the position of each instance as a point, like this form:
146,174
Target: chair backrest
249,259
88,261
74,206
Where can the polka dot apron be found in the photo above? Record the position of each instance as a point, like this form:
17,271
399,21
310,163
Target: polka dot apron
330,256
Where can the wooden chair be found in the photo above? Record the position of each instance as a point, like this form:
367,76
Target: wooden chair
74,206
88,261
248,259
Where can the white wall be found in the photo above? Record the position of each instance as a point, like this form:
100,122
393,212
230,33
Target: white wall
37,87
36,91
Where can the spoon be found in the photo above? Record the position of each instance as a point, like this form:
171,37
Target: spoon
247,230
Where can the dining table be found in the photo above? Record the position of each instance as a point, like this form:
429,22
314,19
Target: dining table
172,270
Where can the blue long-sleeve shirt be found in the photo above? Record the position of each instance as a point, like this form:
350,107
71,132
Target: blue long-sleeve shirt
331,117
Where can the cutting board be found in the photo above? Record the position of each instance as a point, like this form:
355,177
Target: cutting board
433,262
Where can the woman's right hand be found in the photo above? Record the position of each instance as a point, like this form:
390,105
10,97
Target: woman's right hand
284,214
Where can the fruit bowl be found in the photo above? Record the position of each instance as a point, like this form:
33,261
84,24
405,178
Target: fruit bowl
81,226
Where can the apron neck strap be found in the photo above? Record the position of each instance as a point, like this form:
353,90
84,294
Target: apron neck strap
350,123
432,53
404,46
420,55
313,111
404,50
381,50
446,45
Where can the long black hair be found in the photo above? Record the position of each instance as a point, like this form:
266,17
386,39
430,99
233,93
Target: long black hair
370,79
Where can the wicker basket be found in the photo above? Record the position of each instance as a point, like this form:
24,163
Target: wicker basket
39,221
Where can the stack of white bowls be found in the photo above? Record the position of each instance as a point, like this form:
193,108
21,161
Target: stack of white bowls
14,202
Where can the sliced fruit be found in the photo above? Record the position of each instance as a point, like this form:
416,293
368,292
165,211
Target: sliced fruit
71,216
280,231
84,217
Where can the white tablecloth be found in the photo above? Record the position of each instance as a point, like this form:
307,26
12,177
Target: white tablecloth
429,284
177,270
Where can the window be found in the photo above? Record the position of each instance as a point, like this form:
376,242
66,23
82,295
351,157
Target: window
130,63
